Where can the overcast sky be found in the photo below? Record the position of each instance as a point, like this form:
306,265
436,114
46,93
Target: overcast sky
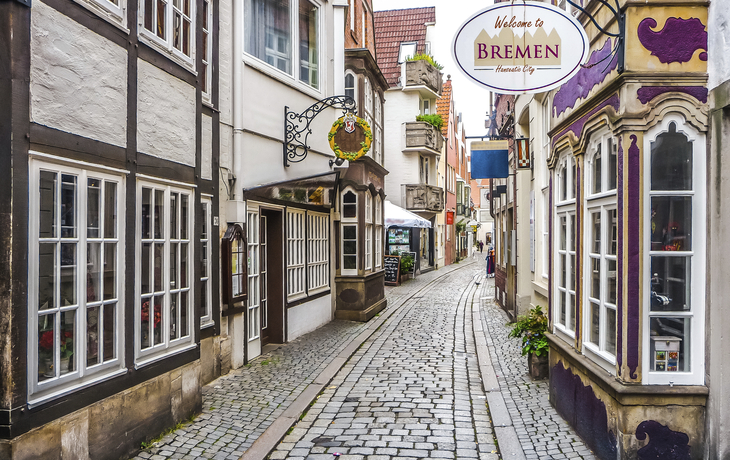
470,99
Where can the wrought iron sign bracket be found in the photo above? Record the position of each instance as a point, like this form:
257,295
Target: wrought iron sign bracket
620,46
297,126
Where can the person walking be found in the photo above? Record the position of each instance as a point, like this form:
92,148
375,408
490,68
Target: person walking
481,245
490,262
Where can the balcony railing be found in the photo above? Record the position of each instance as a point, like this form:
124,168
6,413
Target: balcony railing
422,197
422,136
423,74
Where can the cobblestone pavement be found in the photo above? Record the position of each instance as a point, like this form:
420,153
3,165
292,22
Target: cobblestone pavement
542,432
413,390
240,406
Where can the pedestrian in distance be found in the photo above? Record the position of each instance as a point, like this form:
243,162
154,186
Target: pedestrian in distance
481,246
490,262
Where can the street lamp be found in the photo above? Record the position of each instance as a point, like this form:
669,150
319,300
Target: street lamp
522,146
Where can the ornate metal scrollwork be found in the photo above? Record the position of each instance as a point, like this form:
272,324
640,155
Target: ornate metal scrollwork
297,126
620,37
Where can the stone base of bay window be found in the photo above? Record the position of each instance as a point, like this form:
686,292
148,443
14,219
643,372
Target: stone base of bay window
625,421
359,298
215,358
114,427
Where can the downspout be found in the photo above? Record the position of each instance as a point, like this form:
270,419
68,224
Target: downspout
237,107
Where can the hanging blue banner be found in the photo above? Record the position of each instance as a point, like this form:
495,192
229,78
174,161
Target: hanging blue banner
490,160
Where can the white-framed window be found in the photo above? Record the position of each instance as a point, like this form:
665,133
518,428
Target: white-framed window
378,232
207,70
407,49
206,256
318,262
565,244
282,33
164,286
368,231
351,85
253,233
75,314
378,129
113,11
674,264
169,25
295,253
545,233
425,107
348,225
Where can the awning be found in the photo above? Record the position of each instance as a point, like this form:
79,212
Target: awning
395,216
313,190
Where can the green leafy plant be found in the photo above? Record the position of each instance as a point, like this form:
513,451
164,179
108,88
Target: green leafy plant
434,120
460,227
406,261
532,328
426,57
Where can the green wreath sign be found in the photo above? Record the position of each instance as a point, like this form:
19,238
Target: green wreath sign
345,130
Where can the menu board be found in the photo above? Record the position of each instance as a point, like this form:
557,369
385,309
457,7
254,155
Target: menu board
399,236
391,264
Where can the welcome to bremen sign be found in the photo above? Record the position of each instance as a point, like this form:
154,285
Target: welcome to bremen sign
520,47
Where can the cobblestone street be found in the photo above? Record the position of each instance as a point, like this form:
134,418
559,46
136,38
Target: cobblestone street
419,381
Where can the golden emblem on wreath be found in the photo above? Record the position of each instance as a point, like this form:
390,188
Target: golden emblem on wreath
354,140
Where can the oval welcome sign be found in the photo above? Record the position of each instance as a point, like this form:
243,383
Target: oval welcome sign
521,47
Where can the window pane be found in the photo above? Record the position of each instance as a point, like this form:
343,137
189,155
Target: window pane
563,234
611,282
595,323
146,252
571,326
173,315
158,319
145,323
184,213
671,223
597,170
349,232
148,7
68,274
596,225
308,48
595,278
612,165
92,336
186,38
173,216
157,266
159,214
350,262
46,347
267,33
613,232
110,210
161,19
93,277
204,222
571,279
68,342
669,347
573,180
611,331
110,320
47,188
68,206
173,266
146,213
670,283
93,203
184,314
349,247
110,271
562,307
563,268
571,237
46,276
671,161
564,184
184,265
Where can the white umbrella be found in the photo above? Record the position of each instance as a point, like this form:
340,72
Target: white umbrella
395,216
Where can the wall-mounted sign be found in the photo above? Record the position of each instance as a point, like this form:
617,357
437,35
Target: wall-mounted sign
449,217
520,47
490,160
350,137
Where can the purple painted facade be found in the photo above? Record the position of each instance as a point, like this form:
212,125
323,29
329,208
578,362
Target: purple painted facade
647,93
663,443
620,252
577,126
585,80
633,304
676,42
550,246
582,409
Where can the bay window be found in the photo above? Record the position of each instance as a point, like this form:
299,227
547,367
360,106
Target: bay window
317,251
75,285
348,225
368,231
378,232
271,36
164,268
565,244
295,267
674,261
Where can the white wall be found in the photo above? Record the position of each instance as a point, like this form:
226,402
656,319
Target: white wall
78,79
165,115
206,165
718,65
403,168
309,316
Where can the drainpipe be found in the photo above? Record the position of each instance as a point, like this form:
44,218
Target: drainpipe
237,101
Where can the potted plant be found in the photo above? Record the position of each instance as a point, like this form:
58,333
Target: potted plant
45,353
532,328
67,351
406,265
433,119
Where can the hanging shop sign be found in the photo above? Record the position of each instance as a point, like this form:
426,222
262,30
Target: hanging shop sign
520,47
490,160
350,137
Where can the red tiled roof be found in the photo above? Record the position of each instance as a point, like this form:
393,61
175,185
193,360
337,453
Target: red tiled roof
395,26
443,104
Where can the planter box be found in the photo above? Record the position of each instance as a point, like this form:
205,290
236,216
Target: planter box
538,366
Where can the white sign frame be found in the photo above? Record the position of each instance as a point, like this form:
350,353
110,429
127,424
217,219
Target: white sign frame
535,27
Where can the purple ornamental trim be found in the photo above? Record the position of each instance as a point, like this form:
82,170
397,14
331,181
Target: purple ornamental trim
647,93
578,253
620,249
676,42
550,248
585,80
663,442
577,126
633,303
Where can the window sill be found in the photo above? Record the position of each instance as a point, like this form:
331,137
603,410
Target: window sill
155,45
283,77
601,358
49,395
116,18
147,360
304,299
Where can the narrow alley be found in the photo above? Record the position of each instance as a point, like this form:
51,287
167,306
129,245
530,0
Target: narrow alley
434,376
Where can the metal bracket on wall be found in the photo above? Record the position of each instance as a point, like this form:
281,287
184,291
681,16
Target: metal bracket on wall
620,46
297,125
